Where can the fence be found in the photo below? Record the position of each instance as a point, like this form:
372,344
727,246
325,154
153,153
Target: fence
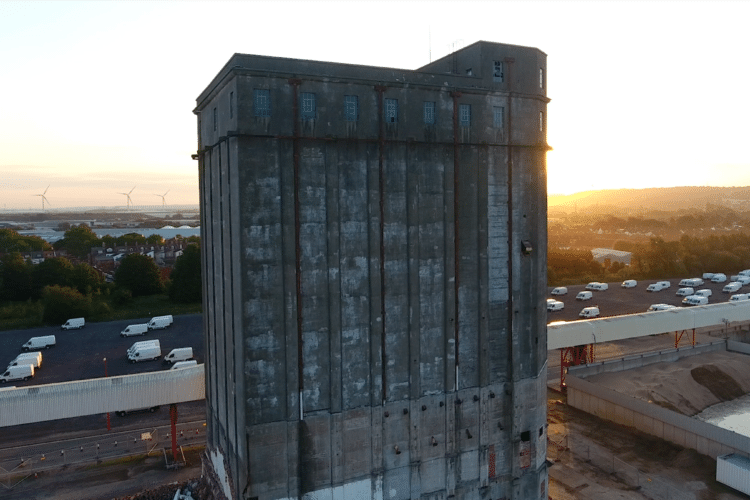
567,448
19,463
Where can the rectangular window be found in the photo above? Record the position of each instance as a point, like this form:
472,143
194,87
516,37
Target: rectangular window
262,102
541,78
541,121
498,118
497,74
464,114
391,110
216,120
231,105
307,109
351,108
429,113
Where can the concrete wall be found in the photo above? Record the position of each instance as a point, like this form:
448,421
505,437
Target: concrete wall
649,418
373,324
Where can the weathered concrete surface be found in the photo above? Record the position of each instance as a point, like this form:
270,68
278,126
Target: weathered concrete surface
375,290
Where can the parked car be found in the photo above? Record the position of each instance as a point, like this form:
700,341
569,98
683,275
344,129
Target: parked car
595,285
73,324
629,284
684,292
739,297
695,300
589,312
731,287
584,295
660,307
708,276
719,278
691,282
745,280
704,292
555,305
559,290
658,286
36,343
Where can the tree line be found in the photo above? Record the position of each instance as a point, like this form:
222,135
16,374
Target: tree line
65,289
657,258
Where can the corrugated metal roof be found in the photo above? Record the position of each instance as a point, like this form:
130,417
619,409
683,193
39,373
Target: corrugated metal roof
95,396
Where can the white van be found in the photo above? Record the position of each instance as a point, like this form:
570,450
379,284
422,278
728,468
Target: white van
731,287
584,295
144,353
555,305
160,322
745,280
181,354
708,276
20,372
684,292
739,297
629,284
719,278
589,312
36,343
660,307
184,364
132,330
691,282
704,292
746,272
658,286
144,343
695,300
73,324
595,285
26,358
559,290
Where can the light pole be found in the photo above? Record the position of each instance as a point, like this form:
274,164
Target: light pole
109,425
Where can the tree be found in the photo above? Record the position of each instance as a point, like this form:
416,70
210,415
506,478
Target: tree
52,271
78,241
186,276
62,302
86,279
131,239
155,239
15,277
139,274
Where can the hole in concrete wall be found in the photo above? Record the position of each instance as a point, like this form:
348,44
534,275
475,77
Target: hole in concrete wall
526,436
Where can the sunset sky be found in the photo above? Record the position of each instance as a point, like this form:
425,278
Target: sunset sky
97,97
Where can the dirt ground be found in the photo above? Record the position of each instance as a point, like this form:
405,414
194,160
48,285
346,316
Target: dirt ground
115,480
597,459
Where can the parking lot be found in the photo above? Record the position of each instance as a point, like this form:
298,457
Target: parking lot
617,300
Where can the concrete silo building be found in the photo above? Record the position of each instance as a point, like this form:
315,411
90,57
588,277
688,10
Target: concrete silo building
374,262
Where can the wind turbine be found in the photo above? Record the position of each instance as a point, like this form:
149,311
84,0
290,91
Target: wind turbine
129,201
44,198
163,201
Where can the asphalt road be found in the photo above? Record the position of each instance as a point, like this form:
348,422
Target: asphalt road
617,300
79,354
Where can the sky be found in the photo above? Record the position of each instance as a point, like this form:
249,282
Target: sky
97,97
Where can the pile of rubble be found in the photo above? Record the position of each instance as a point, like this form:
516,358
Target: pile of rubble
193,489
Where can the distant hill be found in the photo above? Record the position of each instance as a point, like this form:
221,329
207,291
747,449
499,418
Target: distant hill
636,201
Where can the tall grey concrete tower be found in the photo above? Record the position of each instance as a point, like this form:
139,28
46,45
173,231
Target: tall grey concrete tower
374,257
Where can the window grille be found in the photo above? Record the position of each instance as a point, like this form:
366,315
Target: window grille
464,114
498,119
391,110
351,108
308,106
497,74
262,102
216,119
429,113
231,105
